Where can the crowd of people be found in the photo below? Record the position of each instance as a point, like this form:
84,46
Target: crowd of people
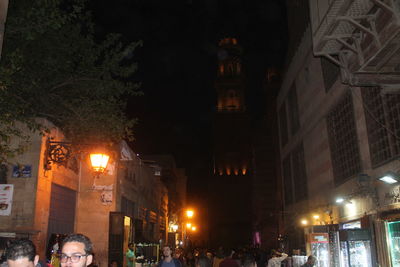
245,257
76,250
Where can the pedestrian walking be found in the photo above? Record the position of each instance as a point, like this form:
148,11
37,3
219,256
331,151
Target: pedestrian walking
228,260
310,261
277,258
168,260
130,255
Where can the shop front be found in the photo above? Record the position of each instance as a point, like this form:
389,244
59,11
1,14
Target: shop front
388,238
341,245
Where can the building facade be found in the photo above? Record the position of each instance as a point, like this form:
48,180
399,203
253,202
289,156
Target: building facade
338,112
175,180
47,200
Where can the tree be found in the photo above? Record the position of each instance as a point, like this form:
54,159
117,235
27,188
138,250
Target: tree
52,67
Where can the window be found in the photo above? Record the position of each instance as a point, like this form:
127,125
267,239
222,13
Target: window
382,115
283,128
300,175
293,110
330,72
238,68
343,140
221,69
128,207
232,93
230,69
287,181
295,176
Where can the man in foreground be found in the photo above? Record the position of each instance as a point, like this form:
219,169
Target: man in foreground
22,253
76,251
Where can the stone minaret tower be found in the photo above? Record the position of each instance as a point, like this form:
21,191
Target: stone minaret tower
232,182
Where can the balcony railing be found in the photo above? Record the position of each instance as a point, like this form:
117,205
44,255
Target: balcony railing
361,36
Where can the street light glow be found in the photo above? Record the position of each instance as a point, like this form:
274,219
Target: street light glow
188,225
99,161
189,213
339,200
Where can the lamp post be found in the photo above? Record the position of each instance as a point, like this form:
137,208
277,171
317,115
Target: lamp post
60,152
188,226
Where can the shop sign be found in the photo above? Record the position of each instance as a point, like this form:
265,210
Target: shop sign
106,197
319,238
22,171
393,196
6,195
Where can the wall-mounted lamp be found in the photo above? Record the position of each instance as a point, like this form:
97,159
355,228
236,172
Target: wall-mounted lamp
339,200
390,178
99,162
60,152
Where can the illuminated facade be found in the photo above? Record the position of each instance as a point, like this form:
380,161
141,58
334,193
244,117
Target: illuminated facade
116,208
231,222
338,113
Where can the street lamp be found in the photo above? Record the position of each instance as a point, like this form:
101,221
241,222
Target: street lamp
61,152
99,162
390,178
189,213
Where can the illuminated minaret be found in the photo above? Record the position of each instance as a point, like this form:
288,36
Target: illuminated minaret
232,181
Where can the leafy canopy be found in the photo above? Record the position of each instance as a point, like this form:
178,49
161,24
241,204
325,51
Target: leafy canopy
52,67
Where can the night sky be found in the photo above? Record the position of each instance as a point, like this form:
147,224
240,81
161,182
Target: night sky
177,67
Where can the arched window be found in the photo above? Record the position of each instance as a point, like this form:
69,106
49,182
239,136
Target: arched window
230,69
221,69
238,68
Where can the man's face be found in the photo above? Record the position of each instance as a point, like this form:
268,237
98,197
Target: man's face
167,251
23,262
76,249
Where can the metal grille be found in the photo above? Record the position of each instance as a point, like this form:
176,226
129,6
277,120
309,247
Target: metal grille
375,118
287,181
392,104
299,174
343,140
283,128
293,110
330,73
